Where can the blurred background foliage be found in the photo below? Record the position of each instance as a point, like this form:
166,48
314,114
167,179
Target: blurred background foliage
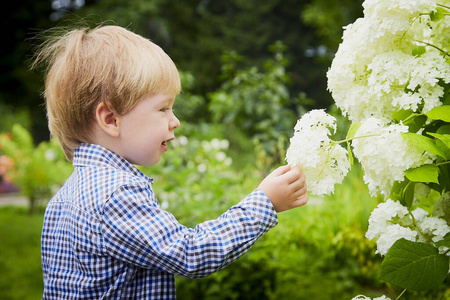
198,34
249,70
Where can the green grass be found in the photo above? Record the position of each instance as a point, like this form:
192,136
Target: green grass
20,260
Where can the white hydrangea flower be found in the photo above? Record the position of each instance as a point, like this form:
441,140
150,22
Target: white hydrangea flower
382,298
396,16
221,156
182,140
394,72
207,146
419,214
393,233
385,155
324,162
374,62
434,226
216,144
348,76
383,227
440,26
362,297
391,221
50,154
382,216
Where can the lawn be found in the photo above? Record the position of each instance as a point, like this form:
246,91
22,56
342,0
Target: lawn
20,262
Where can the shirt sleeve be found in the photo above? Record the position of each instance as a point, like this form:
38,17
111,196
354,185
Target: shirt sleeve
137,231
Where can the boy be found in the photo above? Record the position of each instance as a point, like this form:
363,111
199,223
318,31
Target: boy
109,96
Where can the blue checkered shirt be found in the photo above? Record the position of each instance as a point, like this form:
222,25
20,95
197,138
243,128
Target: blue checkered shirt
105,235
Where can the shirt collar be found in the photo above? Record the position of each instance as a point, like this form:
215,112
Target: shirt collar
96,155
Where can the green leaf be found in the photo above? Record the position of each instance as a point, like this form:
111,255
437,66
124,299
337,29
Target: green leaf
401,114
414,266
419,50
444,129
351,134
416,123
403,192
440,113
353,129
407,196
438,14
397,190
424,173
350,155
445,138
423,143
413,120
445,242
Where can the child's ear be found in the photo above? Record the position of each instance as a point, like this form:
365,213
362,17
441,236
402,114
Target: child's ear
108,119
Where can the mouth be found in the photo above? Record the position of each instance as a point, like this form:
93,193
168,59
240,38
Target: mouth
164,143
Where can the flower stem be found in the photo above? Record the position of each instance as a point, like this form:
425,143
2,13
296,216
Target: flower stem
353,138
443,163
401,294
442,6
417,226
412,116
434,46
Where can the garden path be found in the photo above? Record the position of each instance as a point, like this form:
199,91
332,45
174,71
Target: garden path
12,199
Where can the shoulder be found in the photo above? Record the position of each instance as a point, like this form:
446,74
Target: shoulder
91,187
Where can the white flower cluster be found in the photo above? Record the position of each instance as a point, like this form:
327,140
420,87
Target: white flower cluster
391,221
324,162
396,16
394,58
375,61
362,297
385,155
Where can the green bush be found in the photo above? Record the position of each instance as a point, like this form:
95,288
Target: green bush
38,170
316,252
257,102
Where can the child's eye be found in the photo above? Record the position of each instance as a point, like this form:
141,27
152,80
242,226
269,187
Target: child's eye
164,109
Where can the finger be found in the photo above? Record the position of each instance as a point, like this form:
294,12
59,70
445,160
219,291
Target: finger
302,200
301,191
302,174
297,183
281,170
301,180
292,175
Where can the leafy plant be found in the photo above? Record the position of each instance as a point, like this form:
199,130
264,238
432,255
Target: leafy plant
257,102
39,170
399,133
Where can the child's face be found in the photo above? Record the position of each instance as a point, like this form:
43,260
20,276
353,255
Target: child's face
146,130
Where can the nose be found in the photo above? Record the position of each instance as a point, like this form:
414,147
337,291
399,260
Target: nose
174,123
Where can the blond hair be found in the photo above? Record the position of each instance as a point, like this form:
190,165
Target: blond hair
106,64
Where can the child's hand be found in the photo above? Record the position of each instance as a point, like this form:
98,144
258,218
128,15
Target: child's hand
286,188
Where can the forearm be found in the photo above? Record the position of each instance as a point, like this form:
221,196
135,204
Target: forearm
213,245
161,242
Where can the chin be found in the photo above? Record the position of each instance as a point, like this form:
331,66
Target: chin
148,162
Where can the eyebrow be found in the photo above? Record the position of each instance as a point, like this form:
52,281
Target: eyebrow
169,100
